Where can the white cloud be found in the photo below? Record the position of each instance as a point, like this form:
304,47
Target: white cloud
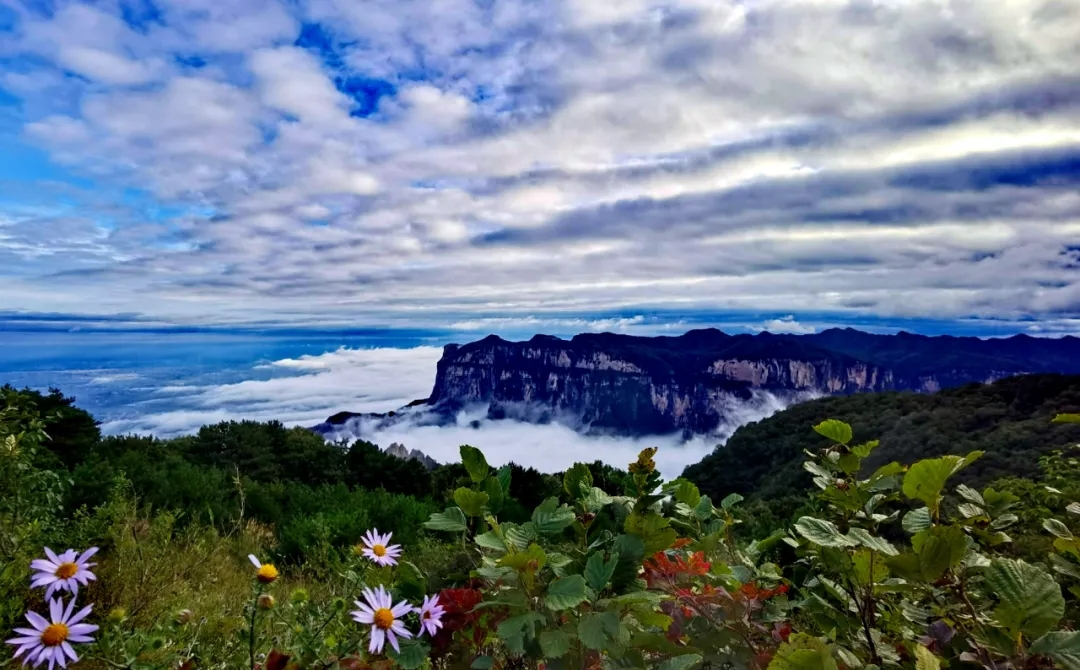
788,325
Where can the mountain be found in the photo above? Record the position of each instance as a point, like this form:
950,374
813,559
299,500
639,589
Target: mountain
692,383
1009,420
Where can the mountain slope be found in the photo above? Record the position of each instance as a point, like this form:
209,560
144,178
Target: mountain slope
1010,420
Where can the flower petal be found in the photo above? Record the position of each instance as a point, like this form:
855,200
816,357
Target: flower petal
70,652
254,561
401,609
56,610
37,621
393,640
87,554
80,615
378,639
52,556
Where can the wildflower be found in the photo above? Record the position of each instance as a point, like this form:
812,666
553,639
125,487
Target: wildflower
117,615
64,572
184,617
299,596
50,639
266,601
267,573
378,548
384,618
431,613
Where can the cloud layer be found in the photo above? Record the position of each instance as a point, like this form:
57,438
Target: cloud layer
454,162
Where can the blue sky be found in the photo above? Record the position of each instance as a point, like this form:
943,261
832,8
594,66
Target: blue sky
540,165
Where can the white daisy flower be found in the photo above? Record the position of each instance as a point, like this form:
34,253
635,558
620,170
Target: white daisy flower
378,548
383,617
431,613
64,572
50,640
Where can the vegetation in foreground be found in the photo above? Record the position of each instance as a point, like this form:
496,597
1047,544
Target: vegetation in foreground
899,567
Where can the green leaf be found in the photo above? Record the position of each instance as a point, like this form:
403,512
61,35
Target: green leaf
496,497
653,529
1057,528
1073,508
970,494
681,662
471,502
970,510
1030,601
475,463
803,652
939,548
684,491
878,544
452,520
482,663
822,532
554,643
598,572
503,475
867,568
490,540
595,629
1063,647
521,560
1067,418
704,509
412,655
917,520
837,431
578,480
631,551
1064,566
925,659
863,450
549,518
514,630
566,592
519,536
730,500
925,480
596,499
885,471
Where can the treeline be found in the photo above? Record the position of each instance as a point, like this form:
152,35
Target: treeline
1009,420
310,491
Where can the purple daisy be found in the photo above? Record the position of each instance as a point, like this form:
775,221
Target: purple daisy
50,639
64,572
431,613
384,618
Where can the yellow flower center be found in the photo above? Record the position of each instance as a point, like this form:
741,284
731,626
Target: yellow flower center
384,618
267,573
54,634
66,570
379,550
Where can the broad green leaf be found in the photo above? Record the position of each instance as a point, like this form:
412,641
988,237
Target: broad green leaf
1003,521
514,630
412,655
887,470
939,548
496,497
849,463
596,499
631,551
596,629
970,494
1073,508
684,491
925,480
868,568
925,659
549,518
519,536
823,533
475,463
917,520
1063,647
503,475
566,592
863,450
554,643
532,559
681,662
490,540
970,510
730,500
878,544
598,572
1030,601
1057,528
653,529
452,520
837,431
1067,418
1064,566
471,502
803,652
578,480
482,663
704,509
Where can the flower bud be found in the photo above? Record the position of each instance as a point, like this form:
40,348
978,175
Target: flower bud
184,616
299,596
117,615
266,601
339,604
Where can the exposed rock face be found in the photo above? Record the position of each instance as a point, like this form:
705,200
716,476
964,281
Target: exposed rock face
638,386
399,450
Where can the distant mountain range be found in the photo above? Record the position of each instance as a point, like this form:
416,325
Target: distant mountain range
696,382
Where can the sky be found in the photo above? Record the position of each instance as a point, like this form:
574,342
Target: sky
544,165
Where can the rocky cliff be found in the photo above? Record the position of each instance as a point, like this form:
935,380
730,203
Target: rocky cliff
637,386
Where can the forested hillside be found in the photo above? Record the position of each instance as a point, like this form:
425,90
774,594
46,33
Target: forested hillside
1008,420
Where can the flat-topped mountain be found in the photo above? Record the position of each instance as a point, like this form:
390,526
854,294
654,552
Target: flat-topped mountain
692,383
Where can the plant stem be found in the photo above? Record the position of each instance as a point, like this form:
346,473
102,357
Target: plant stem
251,633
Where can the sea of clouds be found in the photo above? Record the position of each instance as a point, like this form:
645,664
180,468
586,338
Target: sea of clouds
304,391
